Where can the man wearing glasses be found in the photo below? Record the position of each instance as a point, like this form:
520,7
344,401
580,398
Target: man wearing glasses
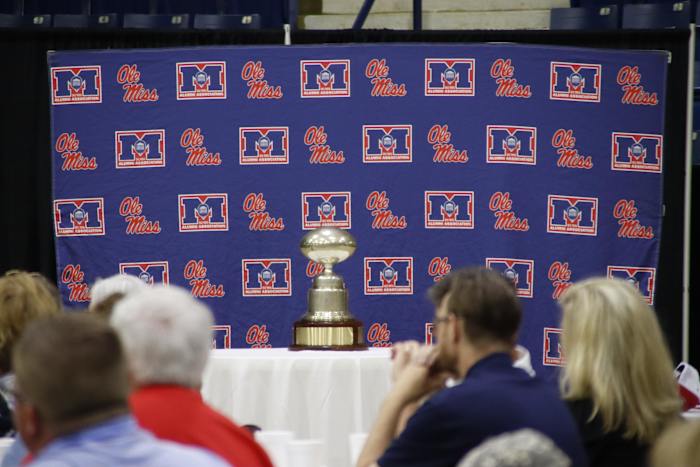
476,324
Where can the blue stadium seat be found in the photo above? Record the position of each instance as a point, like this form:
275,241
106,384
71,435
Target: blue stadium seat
605,17
86,21
24,21
101,7
66,7
11,7
135,21
209,7
273,13
656,16
227,22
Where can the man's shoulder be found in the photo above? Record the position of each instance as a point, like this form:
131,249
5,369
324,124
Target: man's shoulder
480,393
141,451
178,455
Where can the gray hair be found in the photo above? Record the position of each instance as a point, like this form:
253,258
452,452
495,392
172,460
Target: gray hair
166,335
118,283
522,448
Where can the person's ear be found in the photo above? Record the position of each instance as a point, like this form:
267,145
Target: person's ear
456,329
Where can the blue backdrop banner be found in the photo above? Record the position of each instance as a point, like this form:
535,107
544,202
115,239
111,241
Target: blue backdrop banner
204,167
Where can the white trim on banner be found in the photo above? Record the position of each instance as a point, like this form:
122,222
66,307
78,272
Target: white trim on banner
687,195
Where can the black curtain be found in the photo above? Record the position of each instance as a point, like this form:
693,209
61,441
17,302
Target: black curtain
25,176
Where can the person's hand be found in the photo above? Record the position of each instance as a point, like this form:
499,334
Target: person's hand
414,374
402,354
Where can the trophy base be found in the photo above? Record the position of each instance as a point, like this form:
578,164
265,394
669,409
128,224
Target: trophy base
343,335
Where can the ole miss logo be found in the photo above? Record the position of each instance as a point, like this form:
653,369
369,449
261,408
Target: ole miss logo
560,275
221,336
79,217
389,276
574,215
267,277
68,146
74,280
449,209
379,335
268,145
325,78
630,79
636,152
574,82
203,212
519,272
150,272
439,268
142,148
326,209
641,278
552,351
386,143
511,144
258,337
449,77
201,80
76,85
129,77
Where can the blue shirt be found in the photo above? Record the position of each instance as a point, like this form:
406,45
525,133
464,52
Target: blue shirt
120,442
494,398
15,453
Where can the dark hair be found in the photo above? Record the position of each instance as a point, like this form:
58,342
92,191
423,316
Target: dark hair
71,367
485,301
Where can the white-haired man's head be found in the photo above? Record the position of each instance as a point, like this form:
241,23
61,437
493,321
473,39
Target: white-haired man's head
166,334
117,284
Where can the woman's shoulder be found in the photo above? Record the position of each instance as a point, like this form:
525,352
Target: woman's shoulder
581,409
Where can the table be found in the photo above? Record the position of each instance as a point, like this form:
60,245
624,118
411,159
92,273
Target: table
315,394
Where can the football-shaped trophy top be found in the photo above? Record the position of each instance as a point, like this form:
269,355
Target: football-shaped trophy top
328,246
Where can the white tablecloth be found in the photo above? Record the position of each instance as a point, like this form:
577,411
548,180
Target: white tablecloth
315,394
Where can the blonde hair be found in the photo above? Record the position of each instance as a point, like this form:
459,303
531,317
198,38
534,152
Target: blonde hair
617,357
679,446
24,296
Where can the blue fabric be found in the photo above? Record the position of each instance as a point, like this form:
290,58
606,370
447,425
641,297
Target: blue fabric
494,398
15,453
550,189
120,442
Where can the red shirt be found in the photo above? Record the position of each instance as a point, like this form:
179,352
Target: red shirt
179,414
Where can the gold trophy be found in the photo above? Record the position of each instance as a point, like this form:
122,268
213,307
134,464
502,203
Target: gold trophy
327,324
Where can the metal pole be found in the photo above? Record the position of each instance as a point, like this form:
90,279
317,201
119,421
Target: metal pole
417,15
362,15
293,13
687,211
287,34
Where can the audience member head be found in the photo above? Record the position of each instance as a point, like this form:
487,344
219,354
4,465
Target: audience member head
70,374
107,292
477,308
166,335
679,446
522,448
24,296
616,357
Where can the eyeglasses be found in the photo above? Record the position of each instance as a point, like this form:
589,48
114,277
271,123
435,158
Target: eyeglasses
441,319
